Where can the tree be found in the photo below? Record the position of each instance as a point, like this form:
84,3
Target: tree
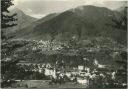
6,20
8,71
8,62
121,23
122,71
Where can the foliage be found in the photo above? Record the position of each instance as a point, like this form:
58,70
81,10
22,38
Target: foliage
121,23
8,63
122,71
6,20
8,71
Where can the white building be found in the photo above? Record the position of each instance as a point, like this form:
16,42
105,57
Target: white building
83,81
80,67
50,72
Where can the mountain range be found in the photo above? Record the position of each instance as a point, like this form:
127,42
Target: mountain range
81,22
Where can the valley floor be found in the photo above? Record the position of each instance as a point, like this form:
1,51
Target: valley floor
45,84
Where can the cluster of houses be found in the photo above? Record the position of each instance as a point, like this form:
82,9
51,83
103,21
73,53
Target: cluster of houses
81,73
47,45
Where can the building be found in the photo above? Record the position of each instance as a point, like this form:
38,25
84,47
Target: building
80,67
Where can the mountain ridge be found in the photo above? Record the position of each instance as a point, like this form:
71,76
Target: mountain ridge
90,21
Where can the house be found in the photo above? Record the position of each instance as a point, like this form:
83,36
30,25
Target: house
50,72
80,67
87,69
83,81
83,68
68,74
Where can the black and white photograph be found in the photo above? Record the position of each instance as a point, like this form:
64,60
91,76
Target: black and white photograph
63,44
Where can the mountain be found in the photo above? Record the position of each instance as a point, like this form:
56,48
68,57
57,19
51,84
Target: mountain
31,26
46,18
121,9
23,20
82,22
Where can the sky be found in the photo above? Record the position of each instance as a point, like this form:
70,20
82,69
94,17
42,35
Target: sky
40,8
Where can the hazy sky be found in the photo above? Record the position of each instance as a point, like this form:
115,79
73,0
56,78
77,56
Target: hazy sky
40,8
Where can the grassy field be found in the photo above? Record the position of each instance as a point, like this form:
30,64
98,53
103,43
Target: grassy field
45,84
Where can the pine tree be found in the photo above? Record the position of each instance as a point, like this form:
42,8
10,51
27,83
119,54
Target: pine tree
6,20
8,63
